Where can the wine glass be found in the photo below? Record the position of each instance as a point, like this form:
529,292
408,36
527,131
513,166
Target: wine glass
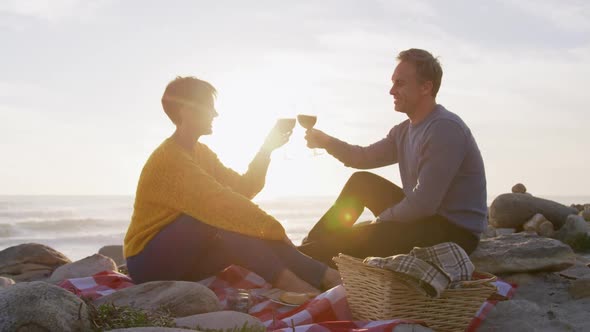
308,122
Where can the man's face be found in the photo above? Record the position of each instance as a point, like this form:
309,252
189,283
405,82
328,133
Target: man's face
407,91
199,117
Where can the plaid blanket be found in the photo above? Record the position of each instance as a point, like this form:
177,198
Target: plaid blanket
327,312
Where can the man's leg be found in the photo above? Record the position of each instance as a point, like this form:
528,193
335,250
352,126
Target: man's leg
362,190
389,238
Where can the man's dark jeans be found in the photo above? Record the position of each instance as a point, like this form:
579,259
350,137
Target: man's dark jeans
334,233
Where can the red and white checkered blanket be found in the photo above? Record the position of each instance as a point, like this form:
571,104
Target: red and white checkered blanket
327,312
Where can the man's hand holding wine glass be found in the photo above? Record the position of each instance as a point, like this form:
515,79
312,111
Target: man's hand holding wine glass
316,138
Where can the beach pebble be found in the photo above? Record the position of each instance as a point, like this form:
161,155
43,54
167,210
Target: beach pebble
5,282
39,306
115,252
181,298
83,268
522,252
220,320
519,188
30,261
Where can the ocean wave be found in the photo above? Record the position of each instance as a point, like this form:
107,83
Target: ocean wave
33,228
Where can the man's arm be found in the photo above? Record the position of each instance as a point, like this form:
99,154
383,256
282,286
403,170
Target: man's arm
381,153
441,156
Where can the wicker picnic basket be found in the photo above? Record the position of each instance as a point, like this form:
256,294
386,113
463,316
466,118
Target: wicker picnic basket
377,294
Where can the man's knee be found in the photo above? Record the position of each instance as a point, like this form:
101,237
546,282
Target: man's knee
360,178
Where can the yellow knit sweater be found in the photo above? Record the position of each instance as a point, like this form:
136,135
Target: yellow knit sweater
174,181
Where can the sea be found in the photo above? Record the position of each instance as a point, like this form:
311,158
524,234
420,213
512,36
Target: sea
78,226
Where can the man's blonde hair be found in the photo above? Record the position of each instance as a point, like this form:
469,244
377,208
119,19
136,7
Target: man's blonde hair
427,66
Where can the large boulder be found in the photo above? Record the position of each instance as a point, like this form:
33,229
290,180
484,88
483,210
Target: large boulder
514,209
30,261
39,306
181,298
115,252
522,252
83,268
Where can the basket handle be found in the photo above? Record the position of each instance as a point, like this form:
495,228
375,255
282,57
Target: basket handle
471,283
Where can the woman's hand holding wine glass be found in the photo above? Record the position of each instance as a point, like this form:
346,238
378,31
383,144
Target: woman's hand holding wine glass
279,134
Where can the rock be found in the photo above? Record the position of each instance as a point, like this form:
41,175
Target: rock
539,225
522,252
520,315
578,271
574,226
30,261
553,309
151,329
28,272
519,188
83,268
5,282
585,213
513,210
545,229
532,224
39,306
181,298
580,288
411,328
115,252
220,320
491,232
505,231
521,279
580,207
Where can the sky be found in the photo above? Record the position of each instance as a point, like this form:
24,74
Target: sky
81,82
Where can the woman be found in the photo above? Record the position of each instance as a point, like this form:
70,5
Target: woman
193,216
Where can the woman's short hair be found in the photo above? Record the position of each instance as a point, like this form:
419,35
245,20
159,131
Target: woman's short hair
186,91
427,66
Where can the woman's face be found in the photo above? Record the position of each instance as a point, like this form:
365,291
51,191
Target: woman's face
198,117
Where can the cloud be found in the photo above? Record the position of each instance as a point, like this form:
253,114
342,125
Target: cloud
49,10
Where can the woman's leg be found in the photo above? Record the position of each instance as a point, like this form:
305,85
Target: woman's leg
362,190
315,273
276,261
188,249
178,252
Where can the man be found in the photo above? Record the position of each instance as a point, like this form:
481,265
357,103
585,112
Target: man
444,187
